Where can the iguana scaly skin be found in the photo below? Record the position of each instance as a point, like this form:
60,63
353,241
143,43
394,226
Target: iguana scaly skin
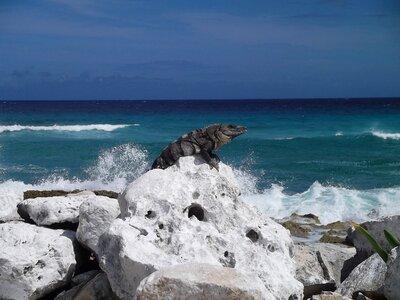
200,141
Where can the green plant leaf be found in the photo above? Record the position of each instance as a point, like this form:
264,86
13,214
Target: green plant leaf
378,249
394,242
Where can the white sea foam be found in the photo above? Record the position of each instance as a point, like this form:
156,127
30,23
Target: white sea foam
386,135
284,139
120,165
339,133
74,128
330,203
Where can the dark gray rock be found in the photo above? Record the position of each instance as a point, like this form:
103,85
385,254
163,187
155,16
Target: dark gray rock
319,265
367,276
375,228
392,281
95,288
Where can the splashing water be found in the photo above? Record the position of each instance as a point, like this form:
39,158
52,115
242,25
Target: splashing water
118,166
125,161
113,170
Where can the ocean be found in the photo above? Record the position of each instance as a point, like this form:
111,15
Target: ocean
338,159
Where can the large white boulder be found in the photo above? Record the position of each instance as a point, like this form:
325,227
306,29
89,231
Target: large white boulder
367,276
57,209
9,200
95,217
207,282
392,281
190,213
34,260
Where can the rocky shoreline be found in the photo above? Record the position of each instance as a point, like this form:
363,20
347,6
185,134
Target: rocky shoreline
183,233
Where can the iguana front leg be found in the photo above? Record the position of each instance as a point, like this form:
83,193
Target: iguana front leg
212,162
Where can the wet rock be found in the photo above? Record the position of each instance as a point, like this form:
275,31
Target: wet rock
109,194
305,219
34,260
310,216
333,237
308,228
319,265
367,276
336,233
296,229
338,225
190,213
392,281
95,217
201,281
302,227
330,296
54,210
31,194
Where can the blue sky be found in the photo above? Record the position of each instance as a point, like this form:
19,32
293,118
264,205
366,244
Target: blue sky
138,49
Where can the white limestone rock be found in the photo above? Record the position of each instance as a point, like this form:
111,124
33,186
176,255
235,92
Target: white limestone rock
34,260
95,216
157,231
392,281
319,265
9,200
367,276
375,228
201,281
55,210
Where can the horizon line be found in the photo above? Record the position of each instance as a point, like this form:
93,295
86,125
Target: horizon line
209,99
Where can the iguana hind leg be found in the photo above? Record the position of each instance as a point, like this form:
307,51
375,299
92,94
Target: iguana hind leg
210,160
215,157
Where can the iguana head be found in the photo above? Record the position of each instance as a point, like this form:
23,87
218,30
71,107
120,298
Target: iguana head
224,133
232,131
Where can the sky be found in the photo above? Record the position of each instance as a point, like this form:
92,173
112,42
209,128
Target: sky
208,49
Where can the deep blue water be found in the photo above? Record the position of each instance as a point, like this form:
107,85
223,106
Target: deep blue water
294,151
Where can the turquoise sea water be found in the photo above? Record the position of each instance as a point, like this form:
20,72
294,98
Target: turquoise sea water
339,159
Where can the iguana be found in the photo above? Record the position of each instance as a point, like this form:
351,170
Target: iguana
200,141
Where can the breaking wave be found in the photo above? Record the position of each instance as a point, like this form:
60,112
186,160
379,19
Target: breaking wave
74,128
329,203
386,135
